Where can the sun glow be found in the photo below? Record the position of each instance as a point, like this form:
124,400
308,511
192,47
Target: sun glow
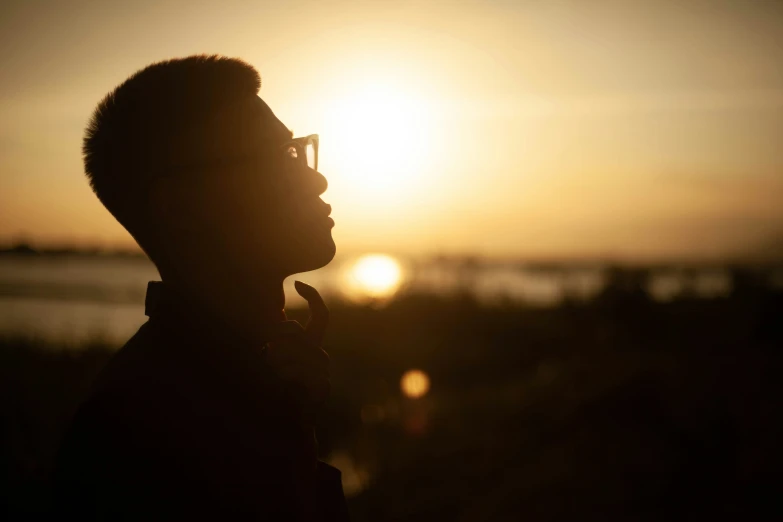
375,276
379,140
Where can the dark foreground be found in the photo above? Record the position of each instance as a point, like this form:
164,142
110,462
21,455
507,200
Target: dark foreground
617,409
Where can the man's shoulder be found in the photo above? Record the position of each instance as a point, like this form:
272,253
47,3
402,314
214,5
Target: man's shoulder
131,363
131,375
132,394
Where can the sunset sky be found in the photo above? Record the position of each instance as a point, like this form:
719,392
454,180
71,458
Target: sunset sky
527,128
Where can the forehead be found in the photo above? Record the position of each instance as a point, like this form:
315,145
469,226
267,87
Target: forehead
237,129
242,127
271,126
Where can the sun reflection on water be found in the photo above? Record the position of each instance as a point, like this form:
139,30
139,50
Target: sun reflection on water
376,276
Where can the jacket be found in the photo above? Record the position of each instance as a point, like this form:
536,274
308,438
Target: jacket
188,422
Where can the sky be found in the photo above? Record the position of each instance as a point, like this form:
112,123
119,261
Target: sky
633,130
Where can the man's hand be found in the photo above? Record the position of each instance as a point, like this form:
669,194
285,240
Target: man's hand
295,353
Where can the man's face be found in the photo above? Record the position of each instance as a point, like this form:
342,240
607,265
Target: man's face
264,209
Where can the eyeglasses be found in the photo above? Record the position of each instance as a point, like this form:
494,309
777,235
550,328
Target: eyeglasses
304,150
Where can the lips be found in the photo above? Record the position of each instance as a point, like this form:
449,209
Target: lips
326,211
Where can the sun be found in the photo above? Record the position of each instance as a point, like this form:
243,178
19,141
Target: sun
378,141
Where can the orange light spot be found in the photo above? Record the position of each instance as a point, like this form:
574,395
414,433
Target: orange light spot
415,384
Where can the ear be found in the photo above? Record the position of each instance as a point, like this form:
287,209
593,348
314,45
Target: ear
168,202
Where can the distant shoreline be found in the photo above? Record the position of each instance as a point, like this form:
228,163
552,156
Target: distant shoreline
24,249
767,258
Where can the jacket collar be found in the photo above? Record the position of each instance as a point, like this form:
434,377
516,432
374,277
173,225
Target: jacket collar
165,306
155,291
179,315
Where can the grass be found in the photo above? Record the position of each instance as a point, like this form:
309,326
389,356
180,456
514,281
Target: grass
616,409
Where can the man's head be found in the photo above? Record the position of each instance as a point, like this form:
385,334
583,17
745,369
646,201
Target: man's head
192,163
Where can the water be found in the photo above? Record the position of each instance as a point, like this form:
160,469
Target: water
73,297
79,297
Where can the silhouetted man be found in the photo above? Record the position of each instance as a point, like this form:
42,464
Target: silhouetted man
207,412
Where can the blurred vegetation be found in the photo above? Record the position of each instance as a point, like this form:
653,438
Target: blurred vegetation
617,408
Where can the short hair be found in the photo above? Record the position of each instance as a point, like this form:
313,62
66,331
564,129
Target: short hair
132,132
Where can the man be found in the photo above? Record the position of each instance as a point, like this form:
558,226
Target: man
207,412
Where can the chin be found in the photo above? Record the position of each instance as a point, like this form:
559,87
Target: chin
325,254
317,254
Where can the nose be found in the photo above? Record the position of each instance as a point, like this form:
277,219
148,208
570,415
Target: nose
317,180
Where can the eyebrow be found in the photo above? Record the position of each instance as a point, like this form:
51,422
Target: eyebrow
283,138
280,133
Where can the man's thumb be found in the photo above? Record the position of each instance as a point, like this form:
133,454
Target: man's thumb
319,313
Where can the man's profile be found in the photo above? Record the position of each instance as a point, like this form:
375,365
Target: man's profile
208,411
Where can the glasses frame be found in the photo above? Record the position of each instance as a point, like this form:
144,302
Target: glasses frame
301,156
301,148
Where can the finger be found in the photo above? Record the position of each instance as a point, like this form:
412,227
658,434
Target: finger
303,374
319,313
317,391
296,353
285,329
